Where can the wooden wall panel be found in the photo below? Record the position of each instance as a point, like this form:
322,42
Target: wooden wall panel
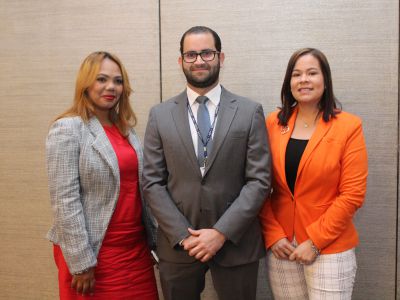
42,44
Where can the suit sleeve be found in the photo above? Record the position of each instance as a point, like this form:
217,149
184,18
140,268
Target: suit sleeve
244,210
62,147
155,178
351,191
271,228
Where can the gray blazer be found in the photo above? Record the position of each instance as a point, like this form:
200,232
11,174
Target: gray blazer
232,191
84,182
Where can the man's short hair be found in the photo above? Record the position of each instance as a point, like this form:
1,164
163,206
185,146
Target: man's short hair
202,29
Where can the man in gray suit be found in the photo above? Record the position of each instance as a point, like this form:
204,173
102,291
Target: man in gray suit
206,175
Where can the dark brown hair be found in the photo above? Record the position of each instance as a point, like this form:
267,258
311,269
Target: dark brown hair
202,29
328,105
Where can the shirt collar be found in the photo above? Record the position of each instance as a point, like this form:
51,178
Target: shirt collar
214,95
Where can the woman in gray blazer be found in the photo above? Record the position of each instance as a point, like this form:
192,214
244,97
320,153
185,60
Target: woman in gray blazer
102,231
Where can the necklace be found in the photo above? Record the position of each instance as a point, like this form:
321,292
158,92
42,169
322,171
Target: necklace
310,123
305,124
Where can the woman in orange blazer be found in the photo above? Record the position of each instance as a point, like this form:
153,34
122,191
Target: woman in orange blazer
320,175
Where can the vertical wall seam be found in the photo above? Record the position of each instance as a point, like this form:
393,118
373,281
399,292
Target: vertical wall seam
159,49
398,157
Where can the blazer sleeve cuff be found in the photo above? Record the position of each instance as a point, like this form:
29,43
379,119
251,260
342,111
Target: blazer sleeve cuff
79,260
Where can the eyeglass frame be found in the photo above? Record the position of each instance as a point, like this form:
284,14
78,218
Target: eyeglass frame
214,52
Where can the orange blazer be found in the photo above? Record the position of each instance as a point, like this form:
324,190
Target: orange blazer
330,186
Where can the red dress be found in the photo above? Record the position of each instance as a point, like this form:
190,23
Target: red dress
124,267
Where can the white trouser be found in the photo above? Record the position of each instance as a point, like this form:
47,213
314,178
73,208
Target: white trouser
330,276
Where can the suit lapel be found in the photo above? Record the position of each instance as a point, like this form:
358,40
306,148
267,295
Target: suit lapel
103,146
181,120
227,111
320,131
286,132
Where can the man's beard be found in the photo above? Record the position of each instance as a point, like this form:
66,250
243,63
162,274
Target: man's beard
210,80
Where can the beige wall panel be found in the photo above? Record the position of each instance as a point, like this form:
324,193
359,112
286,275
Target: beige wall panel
361,40
42,44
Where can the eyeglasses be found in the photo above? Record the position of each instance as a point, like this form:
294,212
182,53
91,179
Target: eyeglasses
206,55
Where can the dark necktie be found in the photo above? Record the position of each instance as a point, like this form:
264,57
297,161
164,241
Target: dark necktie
203,121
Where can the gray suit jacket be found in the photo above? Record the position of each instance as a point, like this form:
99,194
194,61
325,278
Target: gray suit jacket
229,195
84,182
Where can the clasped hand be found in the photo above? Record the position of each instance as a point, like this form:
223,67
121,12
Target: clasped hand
203,244
303,253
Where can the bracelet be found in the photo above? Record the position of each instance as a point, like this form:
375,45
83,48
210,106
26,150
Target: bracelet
316,251
81,272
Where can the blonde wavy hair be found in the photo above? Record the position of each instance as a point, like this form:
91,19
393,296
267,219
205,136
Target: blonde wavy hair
121,114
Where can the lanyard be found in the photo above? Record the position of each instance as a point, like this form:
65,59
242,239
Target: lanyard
210,131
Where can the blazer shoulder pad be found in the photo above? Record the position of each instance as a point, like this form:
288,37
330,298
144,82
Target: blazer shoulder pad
272,118
347,119
167,104
69,122
246,101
